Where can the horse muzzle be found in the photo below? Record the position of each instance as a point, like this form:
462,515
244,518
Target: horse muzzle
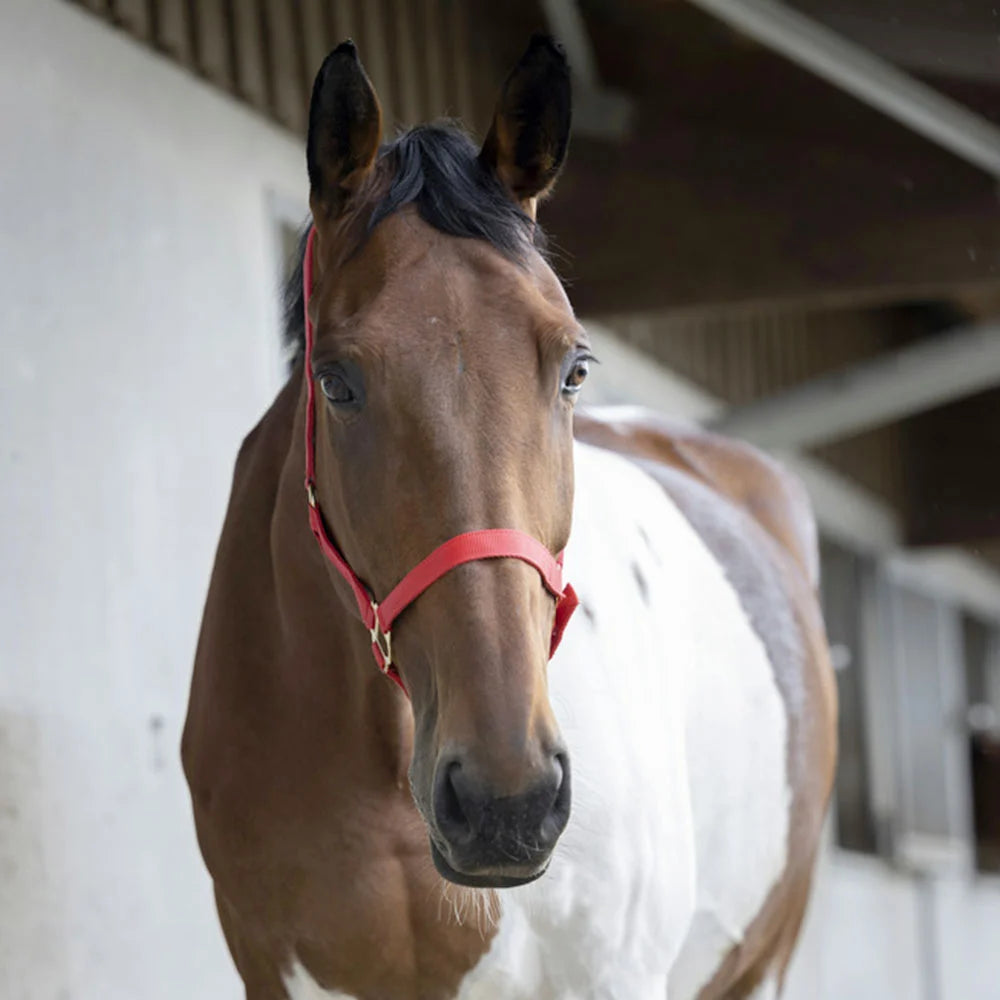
485,840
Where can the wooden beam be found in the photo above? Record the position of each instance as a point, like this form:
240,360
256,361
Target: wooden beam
865,76
251,83
597,110
699,221
953,473
173,35
844,511
916,378
750,181
214,52
133,15
285,52
942,46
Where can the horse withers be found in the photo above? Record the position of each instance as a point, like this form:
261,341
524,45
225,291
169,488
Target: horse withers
637,818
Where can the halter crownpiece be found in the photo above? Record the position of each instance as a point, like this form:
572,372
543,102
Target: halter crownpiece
487,543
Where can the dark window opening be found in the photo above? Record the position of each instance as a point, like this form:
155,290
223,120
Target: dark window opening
841,588
982,665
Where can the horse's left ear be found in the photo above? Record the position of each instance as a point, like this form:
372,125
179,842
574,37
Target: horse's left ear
527,141
345,128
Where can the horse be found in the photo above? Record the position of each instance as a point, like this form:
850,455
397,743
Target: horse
402,789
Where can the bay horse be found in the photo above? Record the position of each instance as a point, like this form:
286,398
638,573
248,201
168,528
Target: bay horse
637,818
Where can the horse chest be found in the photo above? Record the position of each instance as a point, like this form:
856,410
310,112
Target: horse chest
339,900
373,919
677,734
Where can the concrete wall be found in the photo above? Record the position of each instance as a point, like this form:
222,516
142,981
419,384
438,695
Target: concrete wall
138,336
861,936
873,933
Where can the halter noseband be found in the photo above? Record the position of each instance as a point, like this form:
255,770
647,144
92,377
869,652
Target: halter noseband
488,543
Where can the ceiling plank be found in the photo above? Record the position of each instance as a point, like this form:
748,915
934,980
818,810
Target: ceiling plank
891,387
953,473
844,511
865,76
669,232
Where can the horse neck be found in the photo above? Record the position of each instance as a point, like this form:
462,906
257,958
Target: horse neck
327,652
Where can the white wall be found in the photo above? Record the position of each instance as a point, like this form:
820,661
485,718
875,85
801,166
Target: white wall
138,342
877,934
138,338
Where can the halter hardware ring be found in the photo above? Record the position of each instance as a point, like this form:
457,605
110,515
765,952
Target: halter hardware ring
381,640
311,494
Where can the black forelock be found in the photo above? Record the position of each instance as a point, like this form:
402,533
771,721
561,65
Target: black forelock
436,168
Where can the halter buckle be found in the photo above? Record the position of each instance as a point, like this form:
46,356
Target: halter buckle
311,493
381,640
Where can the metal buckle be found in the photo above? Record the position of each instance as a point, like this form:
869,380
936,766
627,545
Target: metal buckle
311,494
382,641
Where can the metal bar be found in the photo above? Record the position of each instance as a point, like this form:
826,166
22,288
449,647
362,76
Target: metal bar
867,77
885,389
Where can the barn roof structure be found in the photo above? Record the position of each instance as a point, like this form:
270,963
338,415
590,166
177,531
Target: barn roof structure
824,264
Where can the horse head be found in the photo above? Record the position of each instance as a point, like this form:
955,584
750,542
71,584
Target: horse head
445,365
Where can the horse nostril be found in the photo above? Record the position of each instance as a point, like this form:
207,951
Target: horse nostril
469,816
452,819
558,813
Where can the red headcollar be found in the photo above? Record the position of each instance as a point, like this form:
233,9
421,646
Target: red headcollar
489,543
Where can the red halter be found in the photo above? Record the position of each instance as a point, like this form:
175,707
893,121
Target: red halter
489,543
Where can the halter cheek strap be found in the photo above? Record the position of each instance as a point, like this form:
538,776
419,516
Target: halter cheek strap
489,543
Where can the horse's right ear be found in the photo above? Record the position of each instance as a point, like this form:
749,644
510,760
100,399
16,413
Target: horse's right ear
345,127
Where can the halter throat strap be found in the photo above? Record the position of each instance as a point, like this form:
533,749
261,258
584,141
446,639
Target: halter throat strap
488,543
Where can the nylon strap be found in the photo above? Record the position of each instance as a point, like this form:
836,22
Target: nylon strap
488,543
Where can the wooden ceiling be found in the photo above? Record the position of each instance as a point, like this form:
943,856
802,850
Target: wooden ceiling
747,179
746,186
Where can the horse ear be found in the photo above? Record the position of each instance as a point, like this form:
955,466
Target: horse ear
345,127
526,144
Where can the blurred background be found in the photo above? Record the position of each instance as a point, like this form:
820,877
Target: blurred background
780,219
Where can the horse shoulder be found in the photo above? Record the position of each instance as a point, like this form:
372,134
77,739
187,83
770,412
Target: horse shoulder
234,643
748,477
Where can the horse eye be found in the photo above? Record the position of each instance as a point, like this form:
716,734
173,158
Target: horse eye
576,376
335,388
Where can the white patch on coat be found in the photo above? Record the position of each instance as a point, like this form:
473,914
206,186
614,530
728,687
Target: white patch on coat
301,986
677,737
768,990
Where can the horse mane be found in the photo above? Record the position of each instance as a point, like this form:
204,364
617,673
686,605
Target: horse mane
437,169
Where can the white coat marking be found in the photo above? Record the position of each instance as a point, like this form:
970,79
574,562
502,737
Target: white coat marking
301,986
677,735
